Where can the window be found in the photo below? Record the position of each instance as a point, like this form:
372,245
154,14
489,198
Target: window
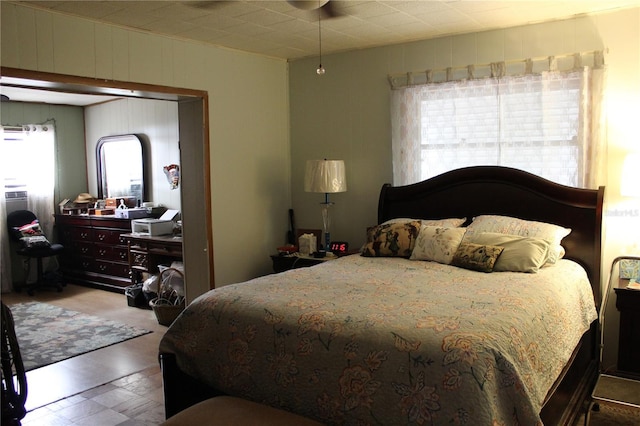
27,168
541,123
515,124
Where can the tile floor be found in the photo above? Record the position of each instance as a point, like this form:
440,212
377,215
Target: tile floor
117,385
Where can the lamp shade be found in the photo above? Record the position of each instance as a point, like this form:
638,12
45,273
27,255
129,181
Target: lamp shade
630,179
326,176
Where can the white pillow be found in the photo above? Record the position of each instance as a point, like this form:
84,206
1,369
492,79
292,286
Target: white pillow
524,228
437,244
445,223
520,254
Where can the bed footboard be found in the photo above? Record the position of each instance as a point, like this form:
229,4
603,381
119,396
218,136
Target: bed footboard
181,390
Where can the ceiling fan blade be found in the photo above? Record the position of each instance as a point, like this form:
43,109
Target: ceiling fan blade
207,4
328,8
307,4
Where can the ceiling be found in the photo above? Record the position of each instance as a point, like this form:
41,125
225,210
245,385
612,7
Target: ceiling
280,30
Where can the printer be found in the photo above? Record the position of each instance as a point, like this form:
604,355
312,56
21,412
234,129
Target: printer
154,227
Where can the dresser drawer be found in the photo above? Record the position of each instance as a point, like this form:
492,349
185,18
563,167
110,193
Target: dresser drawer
122,225
106,236
79,263
78,248
165,249
112,268
112,253
79,234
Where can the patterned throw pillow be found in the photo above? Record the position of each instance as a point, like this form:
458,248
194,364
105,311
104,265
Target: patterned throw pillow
391,239
521,254
477,257
524,228
437,244
32,236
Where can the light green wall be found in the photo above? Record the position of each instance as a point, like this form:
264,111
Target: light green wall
345,115
248,117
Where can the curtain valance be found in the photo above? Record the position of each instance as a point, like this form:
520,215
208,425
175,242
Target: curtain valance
571,62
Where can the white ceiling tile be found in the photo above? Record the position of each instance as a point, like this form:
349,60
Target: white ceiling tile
276,28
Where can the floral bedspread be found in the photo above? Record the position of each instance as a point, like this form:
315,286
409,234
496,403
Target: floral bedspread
372,341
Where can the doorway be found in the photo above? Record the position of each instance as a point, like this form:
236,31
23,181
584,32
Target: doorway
194,157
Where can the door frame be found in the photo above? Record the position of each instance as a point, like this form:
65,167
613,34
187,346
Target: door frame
193,117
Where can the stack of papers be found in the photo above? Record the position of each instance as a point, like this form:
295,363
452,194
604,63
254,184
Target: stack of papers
634,284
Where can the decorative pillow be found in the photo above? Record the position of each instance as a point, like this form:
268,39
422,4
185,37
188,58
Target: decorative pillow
477,257
437,244
391,239
32,236
521,254
444,223
524,228
37,241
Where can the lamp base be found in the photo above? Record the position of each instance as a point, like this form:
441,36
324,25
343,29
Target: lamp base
326,223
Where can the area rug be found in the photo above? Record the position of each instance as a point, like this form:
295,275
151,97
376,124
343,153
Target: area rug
48,334
609,415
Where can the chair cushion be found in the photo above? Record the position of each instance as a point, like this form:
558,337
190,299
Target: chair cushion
52,250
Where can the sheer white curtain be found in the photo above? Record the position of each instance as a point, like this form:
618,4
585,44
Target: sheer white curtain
547,123
27,156
40,179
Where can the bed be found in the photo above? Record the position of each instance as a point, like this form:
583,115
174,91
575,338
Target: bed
391,339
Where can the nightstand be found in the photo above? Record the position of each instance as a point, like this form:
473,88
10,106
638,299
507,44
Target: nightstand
628,303
621,390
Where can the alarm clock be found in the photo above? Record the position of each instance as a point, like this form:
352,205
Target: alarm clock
339,247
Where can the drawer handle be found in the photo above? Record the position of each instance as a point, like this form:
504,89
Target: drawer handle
139,259
84,250
102,268
84,235
101,237
102,252
85,265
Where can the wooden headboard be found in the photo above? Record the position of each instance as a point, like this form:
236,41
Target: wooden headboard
473,191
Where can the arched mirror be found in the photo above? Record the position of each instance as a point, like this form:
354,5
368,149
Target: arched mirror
120,161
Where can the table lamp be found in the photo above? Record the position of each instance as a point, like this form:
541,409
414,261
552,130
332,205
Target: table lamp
326,176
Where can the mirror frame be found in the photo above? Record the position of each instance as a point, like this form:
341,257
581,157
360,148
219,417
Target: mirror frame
102,178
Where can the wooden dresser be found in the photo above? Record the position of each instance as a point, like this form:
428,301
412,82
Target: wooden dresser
95,254
146,253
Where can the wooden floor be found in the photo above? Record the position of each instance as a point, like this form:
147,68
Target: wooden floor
116,385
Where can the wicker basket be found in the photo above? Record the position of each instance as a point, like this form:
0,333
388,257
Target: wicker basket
168,305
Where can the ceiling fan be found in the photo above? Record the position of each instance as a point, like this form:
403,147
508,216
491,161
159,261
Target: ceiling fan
327,8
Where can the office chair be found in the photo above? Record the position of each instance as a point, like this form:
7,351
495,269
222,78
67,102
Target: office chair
14,378
25,230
